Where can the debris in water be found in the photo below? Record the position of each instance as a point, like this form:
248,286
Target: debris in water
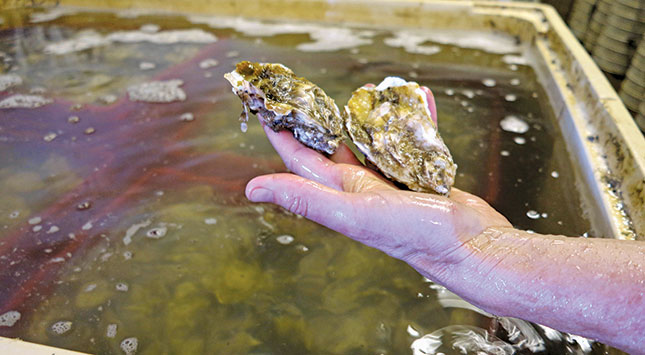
89,130
73,119
49,137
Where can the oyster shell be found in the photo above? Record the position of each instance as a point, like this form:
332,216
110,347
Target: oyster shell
284,101
392,125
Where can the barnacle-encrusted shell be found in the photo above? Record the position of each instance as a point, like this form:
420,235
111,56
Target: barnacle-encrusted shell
392,125
285,101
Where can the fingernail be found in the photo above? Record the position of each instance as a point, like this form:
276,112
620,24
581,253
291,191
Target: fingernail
261,194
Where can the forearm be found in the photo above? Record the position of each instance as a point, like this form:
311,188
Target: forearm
589,287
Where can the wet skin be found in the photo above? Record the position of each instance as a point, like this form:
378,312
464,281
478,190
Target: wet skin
589,287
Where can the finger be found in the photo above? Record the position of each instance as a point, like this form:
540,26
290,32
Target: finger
344,155
321,204
303,161
432,106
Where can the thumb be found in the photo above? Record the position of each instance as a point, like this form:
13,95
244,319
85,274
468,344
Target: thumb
319,203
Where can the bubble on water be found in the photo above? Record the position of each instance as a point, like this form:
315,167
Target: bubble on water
147,65
187,117
49,137
111,330
156,233
544,215
37,228
515,81
510,97
514,124
87,226
208,63
413,332
489,82
150,28
24,101
130,345
90,288
519,140
504,153
555,174
243,127
73,119
449,92
53,229
157,91
122,287
8,319
9,80
83,205
468,93
127,255
61,327
284,239
14,214
89,130
34,220
532,214
302,248
210,221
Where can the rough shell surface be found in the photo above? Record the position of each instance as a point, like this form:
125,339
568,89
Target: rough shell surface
392,125
284,101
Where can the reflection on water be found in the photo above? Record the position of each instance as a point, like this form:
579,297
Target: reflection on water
123,225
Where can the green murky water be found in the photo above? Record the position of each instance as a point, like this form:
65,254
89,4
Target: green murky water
126,220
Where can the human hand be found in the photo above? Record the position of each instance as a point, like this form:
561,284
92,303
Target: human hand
425,230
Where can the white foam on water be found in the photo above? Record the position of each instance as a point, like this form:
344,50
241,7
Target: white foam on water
130,345
133,229
488,42
157,91
82,41
150,28
210,221
53,229
92,39
187,117
111,330
510,97
519,140
514,124
61,327
122,287
9,80
412,42
52,14
515,59
87,226
24,101
8,319
163,37
325,38
208,63
34,220
147,65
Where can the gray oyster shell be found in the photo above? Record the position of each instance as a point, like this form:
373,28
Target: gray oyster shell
285,101
392,125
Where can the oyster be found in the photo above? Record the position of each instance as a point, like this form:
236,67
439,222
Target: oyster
284,101
392,125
